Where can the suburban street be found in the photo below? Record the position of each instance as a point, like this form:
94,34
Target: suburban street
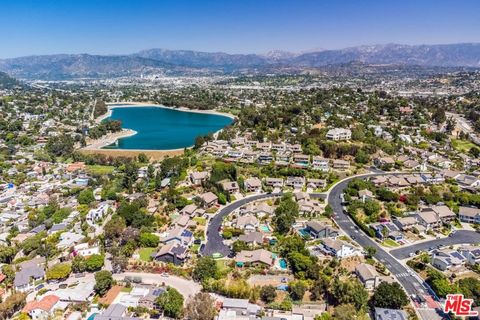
460,237
411,282
214,243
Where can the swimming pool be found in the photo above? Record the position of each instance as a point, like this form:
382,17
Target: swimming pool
265,228
283,263
92,316
304,233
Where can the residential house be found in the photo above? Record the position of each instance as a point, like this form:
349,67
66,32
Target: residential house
68,239
252,238
340,164
318,230
260,257
321,164
265,158
208,199
247,222
467,181
274,182
390,314
42,309
85,249
238,307
189,210
115,311
365,195
295,148
97,214
368,275
429,219
82,292
338,134
171,253
301,160
338,248
230,186
295,182
471,253
197,178
444,213
316,183
177,235
412,164
384,162
184,221
432,178
469,214
387,230
25,278
446,259
282,159
253,184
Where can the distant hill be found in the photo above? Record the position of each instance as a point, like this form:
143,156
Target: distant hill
7,82
199,59
187,62
449,55
68,66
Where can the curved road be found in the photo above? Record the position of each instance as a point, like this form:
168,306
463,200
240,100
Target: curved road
411,282
460,237
214,243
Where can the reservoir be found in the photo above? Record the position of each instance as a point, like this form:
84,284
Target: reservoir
163,128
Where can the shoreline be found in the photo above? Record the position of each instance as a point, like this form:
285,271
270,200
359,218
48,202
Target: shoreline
100,144
118,105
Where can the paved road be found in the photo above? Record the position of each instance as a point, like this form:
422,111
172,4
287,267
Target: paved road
214,242
460,237
185,287
409,280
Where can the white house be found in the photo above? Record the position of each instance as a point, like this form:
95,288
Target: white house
339,134
97,214
338,248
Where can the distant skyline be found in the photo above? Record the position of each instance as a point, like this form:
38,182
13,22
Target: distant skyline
244,26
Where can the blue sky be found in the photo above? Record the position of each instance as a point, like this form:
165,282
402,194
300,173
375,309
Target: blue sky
241,26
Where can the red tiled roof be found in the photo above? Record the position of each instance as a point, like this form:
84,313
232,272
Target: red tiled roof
45,304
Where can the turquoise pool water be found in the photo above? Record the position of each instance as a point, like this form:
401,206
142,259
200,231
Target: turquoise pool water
265,228
163,129
92,316
283,263
304,233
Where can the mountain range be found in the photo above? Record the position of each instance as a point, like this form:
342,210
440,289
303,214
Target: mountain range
183,62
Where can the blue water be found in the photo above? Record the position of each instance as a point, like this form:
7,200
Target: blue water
283,263
163,129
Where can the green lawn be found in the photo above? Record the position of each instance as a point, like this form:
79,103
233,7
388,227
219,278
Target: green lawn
195,248
200,220
99,169
221,265
390,243
145,253
462,145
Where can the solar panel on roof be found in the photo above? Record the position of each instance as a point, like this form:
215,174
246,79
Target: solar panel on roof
457,255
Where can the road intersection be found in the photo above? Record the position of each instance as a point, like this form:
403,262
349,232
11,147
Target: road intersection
411,282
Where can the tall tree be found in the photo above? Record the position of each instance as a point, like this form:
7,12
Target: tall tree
200,307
